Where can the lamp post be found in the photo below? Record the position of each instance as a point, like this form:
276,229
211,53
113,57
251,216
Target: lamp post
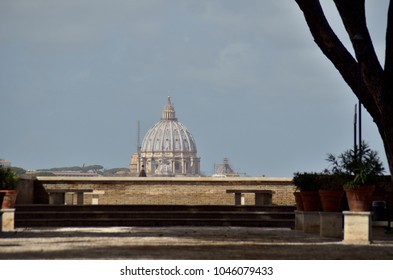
360,124
358,41
355,142
357,127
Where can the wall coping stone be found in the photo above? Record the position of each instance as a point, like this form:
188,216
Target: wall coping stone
262,180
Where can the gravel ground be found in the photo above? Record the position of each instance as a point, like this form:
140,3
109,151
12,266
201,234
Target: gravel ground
186,243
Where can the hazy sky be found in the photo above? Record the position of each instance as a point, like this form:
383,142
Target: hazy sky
245,77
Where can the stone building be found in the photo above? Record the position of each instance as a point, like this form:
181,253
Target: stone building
225,170
168,149
5,163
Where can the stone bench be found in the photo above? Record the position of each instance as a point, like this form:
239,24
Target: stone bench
262,197
57,196
95,194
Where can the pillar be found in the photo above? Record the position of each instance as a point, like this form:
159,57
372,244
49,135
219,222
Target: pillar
7,219
357,227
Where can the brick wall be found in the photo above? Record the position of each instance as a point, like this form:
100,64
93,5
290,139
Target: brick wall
208,191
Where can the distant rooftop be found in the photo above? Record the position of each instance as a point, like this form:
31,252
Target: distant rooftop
225,170
5,163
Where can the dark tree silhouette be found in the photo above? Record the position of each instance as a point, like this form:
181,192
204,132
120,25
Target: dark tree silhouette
370,82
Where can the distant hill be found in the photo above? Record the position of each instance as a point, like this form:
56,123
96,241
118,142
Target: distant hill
90,170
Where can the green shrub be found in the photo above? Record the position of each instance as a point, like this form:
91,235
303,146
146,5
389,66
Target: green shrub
305,181
8,179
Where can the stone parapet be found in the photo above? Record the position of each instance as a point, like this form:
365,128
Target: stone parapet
173,190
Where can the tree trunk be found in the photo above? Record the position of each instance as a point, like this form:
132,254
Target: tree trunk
372,84
386,130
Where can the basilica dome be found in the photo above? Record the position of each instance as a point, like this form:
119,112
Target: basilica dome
168,134
168,148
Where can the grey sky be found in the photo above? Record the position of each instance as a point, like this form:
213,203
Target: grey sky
245,76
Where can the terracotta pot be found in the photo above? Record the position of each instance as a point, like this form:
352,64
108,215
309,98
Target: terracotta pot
299,201
311,201
9,198
331,200
2,194
360,198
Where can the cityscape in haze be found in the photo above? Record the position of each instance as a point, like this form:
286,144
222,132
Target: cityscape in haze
245,77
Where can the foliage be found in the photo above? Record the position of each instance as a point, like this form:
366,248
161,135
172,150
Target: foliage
114,171
99,169
8,179
94,168
362,165
305,181
71,169
328,181
370,82
18,170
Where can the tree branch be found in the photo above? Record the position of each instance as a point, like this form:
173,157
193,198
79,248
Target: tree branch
388,74
328,42
353,15
335,51
370,83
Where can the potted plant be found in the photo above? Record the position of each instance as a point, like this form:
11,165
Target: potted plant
307,184
298,201
8,182
362,166
331,191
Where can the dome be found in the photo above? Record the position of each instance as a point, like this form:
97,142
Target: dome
168,134
225,170
168,148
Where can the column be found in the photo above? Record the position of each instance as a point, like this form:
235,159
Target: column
7,220
357,227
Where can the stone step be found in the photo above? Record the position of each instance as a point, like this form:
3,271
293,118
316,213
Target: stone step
153,215
153,222
142,207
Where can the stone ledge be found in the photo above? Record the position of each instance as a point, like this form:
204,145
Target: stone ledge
54,179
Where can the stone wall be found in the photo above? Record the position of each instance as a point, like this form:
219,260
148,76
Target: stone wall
197,191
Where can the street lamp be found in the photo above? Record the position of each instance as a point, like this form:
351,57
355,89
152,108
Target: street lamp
358,41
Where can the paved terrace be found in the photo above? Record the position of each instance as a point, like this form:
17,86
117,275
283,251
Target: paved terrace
203,243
